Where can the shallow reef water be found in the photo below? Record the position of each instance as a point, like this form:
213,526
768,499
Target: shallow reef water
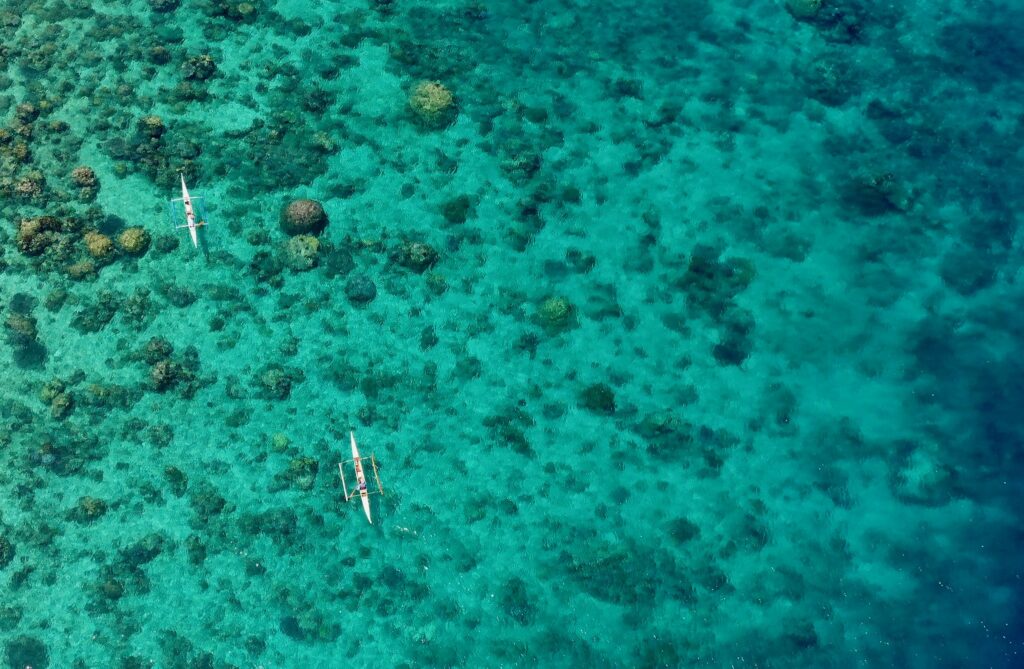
684,333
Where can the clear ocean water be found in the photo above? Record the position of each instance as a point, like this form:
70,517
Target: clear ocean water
684,333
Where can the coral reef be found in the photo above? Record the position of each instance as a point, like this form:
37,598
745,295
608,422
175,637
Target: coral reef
6,551
22,333
303,217
82,270
134,241
432,104
36,235
87,510
555,313
417,256
25,651
301,253
301,474
591,266
99,246
803,9
56,394
199,67
598,398
276,381
84,178
360,289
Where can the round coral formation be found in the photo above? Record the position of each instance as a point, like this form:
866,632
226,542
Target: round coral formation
303,217
84,177
82,270
89,509
432,103
99,245
26,112
35,235
199,67
152,126
26,651
163,375
30,186
803,9
301,251
134,241
417,256
21,328
360,290
555,313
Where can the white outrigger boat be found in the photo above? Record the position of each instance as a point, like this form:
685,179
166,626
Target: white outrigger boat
361,488
190,213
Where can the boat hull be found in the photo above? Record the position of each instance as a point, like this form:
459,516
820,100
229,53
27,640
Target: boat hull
357,464
190,214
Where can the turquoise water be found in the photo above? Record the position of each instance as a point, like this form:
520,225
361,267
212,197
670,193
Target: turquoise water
685,334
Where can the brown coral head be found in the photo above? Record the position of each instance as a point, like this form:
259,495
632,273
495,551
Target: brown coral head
303,217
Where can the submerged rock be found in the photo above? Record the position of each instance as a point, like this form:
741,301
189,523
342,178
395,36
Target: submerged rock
682,530
458,209
151,126
279,524
206,501
516,602
95,316
10,616
196,550
22,335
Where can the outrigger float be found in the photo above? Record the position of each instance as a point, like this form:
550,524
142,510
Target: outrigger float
361,488
188,207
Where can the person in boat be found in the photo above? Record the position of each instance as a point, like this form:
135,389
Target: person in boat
362,486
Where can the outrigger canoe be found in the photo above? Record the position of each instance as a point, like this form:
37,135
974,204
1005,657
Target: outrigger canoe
188,204
357,467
